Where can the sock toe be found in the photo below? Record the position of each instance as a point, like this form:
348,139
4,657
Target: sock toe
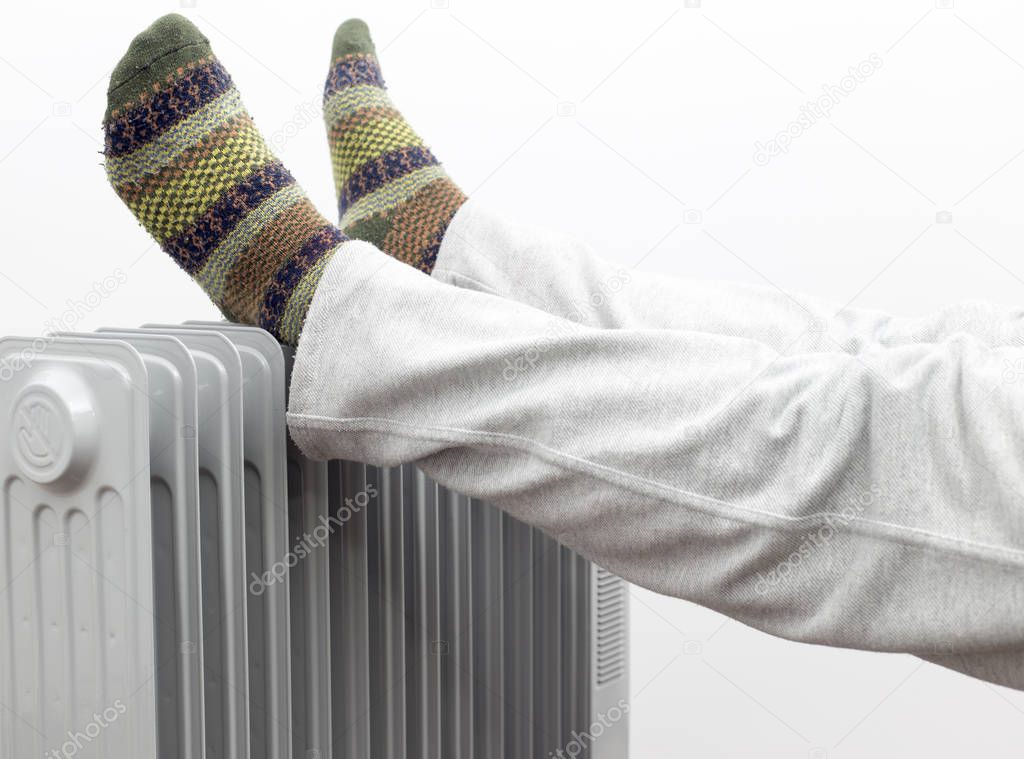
352,38
169,43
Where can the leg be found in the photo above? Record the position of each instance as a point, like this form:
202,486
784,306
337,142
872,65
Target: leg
393,192
484,251
826,498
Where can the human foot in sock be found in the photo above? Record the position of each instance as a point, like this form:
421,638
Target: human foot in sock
185,157
391,190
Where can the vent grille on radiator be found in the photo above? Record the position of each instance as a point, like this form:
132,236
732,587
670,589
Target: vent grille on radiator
171,561
611,627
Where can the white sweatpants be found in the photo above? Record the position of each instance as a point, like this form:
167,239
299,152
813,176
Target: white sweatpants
854,481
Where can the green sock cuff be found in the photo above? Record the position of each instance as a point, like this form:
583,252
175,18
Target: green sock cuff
168,44
352,38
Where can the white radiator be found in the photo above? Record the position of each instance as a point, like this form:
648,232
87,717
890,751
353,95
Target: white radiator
177,581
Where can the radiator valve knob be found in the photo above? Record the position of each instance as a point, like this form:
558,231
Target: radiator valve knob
54,428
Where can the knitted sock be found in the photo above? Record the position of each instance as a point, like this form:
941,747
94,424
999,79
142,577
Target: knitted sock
185,157
391,189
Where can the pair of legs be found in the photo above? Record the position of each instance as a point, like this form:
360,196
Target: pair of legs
848,479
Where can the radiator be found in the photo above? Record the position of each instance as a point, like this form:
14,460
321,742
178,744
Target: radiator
178,581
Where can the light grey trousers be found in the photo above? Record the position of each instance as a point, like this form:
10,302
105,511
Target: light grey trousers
849,479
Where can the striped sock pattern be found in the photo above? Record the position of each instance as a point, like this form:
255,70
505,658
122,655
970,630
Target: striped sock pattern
391,189
184,155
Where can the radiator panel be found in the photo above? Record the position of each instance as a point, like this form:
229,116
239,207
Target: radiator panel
266,546
222,541
77,633
311,664
174,494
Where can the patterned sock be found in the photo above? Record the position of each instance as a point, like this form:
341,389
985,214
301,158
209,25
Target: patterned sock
391,190
185,157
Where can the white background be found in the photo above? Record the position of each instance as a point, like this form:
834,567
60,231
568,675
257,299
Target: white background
633,126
